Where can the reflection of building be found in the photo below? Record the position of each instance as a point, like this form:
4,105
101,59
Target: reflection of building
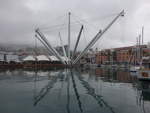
120,76
124,76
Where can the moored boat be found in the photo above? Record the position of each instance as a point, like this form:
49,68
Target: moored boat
134,68
144,72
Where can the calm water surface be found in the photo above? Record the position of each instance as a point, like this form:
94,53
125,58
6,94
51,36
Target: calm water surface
73,91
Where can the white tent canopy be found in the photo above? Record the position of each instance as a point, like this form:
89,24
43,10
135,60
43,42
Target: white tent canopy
42,58
29,58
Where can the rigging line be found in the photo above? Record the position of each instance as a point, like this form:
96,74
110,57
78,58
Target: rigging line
57,25
91,24
51,28
61,41
88,22
54,19
97,43
86,30
85,21
100,17
77,20
93,28
61,26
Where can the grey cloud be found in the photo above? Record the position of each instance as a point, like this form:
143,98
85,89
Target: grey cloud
19,18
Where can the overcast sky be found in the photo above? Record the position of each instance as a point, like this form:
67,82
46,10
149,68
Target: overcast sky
19,18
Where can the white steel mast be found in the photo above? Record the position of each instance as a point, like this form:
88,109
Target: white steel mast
69,35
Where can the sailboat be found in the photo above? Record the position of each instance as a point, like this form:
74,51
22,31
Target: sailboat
134,67
137,56
144,72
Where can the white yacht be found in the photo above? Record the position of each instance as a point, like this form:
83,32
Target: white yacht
134,68
144,72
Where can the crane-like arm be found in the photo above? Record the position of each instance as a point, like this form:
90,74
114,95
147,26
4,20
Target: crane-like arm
50,51
48,45
98,35
77,42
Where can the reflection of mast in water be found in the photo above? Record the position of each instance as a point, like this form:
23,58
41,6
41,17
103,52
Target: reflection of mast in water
76,92
35,79
91,91
68,91
62,84
46,89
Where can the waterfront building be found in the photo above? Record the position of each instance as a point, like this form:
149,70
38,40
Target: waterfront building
122,55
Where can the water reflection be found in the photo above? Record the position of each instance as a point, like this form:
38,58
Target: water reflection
91,92
46,88
143,90
70,73
77,90
115,76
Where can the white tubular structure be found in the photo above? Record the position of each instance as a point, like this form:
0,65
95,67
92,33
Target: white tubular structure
77,42
64,51
98,35
69,35
50,51
48,46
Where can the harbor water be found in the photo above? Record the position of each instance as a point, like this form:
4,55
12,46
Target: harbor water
73,91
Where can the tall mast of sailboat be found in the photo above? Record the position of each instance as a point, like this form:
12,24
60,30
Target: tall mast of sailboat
142,35
142,44
69,35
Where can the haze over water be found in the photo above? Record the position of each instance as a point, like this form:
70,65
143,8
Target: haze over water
73,91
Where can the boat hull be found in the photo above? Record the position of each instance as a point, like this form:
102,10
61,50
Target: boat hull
144,75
